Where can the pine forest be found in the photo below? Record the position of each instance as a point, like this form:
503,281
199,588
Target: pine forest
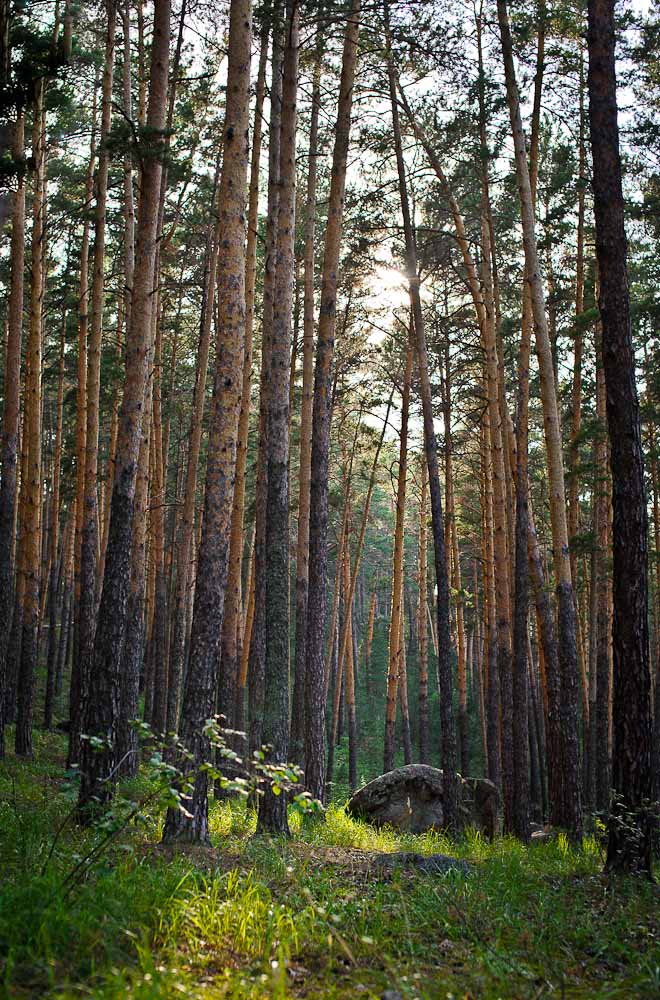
329,499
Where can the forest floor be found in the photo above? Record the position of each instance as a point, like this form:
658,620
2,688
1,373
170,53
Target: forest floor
303,918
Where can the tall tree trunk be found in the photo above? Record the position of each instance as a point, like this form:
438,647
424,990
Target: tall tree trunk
571,816
306,406
403,692
229,646
576,388
89,540
11,414
349,677
158,637
448,734
272,816
521,722
603,617
158,624
66,631
184,541
500,529
371,621
452,539
655,481
133,647
199,693
318,525
396,640
492,685
630,835
97,767
422,628
77,692
56,571
257,658
30,541
338,627
241,684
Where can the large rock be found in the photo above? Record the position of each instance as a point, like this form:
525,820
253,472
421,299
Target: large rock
411,799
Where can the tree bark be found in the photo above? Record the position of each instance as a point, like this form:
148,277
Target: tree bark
89,548
422,628
229,646
448,734
97,767
11,415
571,816
257,658
500,530
396,640
56,568
318,526
199,693
455,571
30,541
306,407
630,834
183,558
272,816
77,692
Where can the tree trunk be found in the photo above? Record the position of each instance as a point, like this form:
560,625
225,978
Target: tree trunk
272,816
452,539
56,572
630,834
368,644
239,700
89,538
30,541
97,766
11,416
521,722
448,734
571,816
422,628
318,526
500,531
77,692
229,647
403,692
257,658
186,527
134,644
349,677
396,640
199,694
306,406
492,684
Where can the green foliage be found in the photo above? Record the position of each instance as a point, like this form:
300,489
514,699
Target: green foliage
254,917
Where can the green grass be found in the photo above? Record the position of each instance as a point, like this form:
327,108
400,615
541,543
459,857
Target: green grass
258,918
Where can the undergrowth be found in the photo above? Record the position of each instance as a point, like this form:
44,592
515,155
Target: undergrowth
261,918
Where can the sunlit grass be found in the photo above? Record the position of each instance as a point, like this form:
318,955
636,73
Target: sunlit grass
258,917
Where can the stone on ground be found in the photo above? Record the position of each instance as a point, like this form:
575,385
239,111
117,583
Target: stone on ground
411,799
